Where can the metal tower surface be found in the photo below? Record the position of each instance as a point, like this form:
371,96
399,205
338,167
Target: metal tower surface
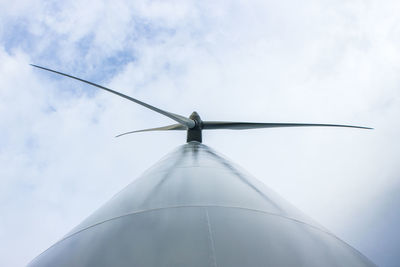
195,208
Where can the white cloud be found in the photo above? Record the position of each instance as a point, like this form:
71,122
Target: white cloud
236,60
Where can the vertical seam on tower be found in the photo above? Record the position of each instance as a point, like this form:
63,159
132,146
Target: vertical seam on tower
211,239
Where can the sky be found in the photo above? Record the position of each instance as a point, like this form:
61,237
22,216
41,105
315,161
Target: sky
267,61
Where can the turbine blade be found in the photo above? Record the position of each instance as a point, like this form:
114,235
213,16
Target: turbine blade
165,128
214,125
178,118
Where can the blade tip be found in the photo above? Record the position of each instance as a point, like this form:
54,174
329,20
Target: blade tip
366,128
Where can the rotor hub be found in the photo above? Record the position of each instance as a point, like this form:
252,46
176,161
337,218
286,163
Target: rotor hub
195,134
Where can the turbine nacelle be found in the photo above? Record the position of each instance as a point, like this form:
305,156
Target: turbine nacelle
194,134
194,125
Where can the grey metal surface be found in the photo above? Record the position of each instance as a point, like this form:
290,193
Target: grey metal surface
195,208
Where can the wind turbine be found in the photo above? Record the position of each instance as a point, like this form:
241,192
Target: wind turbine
195,208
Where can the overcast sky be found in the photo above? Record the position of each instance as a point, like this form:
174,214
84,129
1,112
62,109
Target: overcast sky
268,61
